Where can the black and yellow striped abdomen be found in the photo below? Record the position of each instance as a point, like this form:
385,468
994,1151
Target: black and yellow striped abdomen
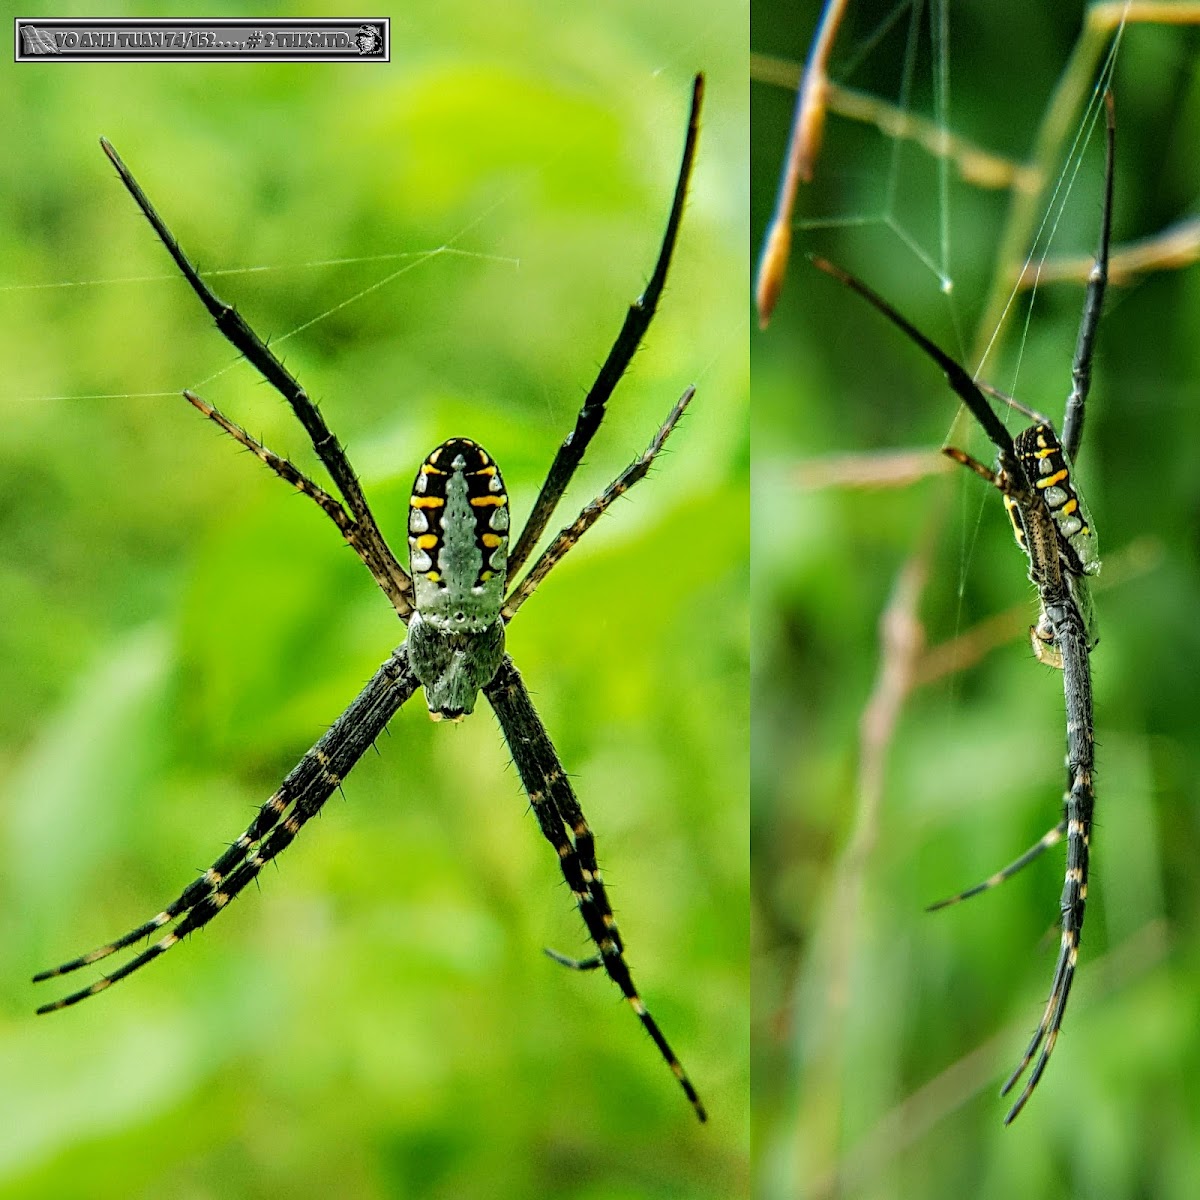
458,537
458,544
1050,474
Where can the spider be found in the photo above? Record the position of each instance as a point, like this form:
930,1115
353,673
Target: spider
1052,526
456,603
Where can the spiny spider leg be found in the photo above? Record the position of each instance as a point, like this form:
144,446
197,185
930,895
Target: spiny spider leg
562,824
389,574
305,789
972,464
576,964
996,394
1071,639
282,467
1050,838
567,538
637,321
292,474
1081,367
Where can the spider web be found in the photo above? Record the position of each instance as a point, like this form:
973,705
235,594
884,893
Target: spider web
906,182
911,35
410,260
920,137
483,226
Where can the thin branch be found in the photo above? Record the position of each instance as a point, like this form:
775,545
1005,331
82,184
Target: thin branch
803,147
881,469
1171,249
902,642
975,164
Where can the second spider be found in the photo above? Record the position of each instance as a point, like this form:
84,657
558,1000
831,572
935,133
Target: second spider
1052,526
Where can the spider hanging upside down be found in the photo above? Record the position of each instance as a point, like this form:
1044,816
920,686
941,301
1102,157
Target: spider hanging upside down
1053,528
456,604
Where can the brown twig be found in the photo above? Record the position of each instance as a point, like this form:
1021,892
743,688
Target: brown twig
803,147
975,165
1170,249
881,469
902,641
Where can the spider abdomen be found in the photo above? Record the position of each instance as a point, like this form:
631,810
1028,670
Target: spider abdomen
458,545
1050,474
458,537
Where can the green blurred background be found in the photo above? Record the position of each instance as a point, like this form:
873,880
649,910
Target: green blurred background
881,1034
378,1020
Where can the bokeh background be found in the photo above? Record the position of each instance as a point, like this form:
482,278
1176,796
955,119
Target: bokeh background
881,1034
378,1019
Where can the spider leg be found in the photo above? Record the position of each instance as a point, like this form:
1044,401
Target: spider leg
575,964
956,375
595,510
973,464
282,467
1032,413
306,788
239,334
1080,801
562,824
637,321
1048,839
292,474
1093,300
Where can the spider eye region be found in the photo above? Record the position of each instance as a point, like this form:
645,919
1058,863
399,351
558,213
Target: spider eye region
458,538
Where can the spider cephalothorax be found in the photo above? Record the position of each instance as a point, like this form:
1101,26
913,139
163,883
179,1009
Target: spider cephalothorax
463,590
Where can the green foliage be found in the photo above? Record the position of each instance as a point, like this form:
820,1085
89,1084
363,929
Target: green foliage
881,1034
377,1020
